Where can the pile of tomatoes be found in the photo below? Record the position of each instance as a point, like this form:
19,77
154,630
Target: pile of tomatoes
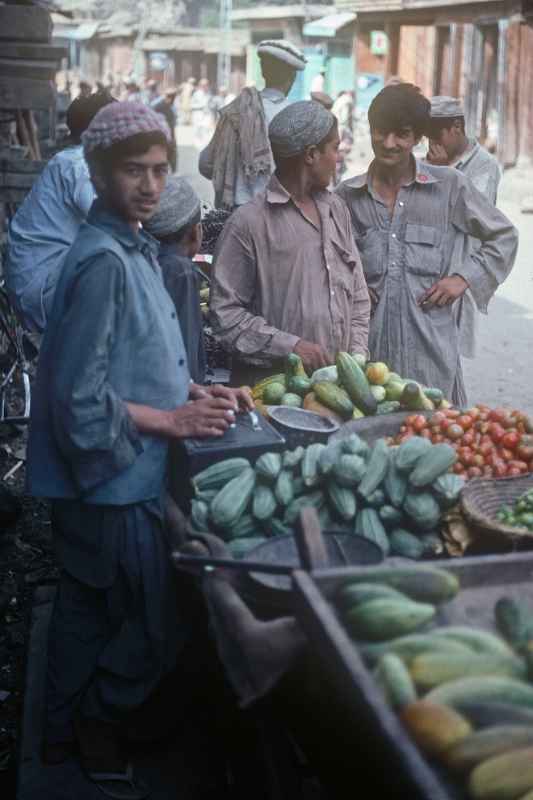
489,442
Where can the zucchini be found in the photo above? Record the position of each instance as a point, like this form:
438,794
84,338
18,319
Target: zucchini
310,472
480,641
447,489
292,512
488,714
433,669
414,399
349,470
390,516
353,445
259,388
328,457
406,544
386,618
232,500
218,475
342,501
393,391
247,526
240,547
388,407
376,499
369,525
264,503
395,482
350,594
268,467
379,393
483,689
207,496
299,385
505,777
435,395
410,452
513,619
199,516
376,470
426,584
273,394
356,383
325,374
423,510
284,488
292,400
393,678
291,458
275,527
334,397
434,727
409,647
463,756
294,367
436,462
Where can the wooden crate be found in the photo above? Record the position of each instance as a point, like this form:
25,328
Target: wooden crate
483,580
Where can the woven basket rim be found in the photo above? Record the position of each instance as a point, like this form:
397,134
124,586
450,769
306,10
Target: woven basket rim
473,515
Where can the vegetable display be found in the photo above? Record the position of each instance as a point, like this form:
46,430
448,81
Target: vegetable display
521,514
350,389
462,693
488,442
393,496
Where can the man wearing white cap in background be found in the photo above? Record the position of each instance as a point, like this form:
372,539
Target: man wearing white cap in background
238,159
449,146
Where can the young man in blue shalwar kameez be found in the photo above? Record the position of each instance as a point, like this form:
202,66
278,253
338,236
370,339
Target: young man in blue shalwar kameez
113,387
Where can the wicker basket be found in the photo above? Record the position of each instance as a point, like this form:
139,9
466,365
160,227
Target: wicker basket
481,499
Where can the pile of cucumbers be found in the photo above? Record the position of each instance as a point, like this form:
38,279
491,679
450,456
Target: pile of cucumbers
393,496
520,515
464,694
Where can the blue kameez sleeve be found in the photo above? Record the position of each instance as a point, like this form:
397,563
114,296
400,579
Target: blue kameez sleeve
91,423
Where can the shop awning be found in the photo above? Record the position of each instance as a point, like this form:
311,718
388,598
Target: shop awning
81,32
327,27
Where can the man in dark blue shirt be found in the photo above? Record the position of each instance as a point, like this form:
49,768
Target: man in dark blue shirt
113,387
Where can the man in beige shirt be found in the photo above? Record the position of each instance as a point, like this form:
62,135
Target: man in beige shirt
287,274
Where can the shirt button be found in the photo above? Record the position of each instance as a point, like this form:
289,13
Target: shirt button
394,236
173,315
327,267
332,293
402,203
181,362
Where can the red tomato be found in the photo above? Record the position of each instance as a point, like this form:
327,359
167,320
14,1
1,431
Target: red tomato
419,423
478,460
468,439
499,469
410,419
487,471
510,440
485,448
498,414
437,419
496,432
454,432
426,433
474,472
521,465
513,472
506,455
483,407
445,424
465,456
474,412
465,421
458,468
452,413
482,426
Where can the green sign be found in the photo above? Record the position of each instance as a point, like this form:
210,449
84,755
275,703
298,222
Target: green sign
379,43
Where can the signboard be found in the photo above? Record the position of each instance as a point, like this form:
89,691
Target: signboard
379,43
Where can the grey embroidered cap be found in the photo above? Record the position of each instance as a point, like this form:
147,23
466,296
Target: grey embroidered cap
179,206
444,107
298,126
283,51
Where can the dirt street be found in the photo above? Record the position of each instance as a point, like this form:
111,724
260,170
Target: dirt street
502,372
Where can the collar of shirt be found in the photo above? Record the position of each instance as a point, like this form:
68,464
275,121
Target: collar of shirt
468,155
277,194
423,176
102,216
274,95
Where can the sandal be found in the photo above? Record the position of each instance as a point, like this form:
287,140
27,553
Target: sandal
120,785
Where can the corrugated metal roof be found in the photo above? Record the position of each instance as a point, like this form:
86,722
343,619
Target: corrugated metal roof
278,12
329,25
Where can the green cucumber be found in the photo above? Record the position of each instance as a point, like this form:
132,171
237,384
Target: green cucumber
376,470
406,544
